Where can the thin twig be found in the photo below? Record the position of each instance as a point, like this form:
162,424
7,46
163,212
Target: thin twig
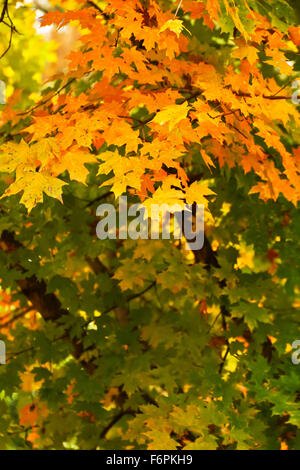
9,44
114,421
177,9
41,103
4,10
224,360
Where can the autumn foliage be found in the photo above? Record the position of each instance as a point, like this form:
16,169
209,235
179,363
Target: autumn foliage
142,344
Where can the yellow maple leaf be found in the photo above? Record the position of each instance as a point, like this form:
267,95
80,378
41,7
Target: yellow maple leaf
174,25
120,133
245,52
74,162
172,114
45,150
28,383
119,185
196,192
15,155
127,171
246,257
172,197
279,60
33,184
21,156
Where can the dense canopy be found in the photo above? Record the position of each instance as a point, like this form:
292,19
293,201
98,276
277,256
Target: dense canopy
143,344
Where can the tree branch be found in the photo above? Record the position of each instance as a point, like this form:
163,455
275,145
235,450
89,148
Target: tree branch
47,304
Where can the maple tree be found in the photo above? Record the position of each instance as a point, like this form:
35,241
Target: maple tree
141,344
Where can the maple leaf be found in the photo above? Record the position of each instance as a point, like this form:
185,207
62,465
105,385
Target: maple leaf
45,150
163,195
120,133
244,51
74,162
246,257
172,114
123,169
279,61
196,8
197,191
28,383
34,184
29,415
131,276
14,156
208,161
174,25
53,17
79,133
160,440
